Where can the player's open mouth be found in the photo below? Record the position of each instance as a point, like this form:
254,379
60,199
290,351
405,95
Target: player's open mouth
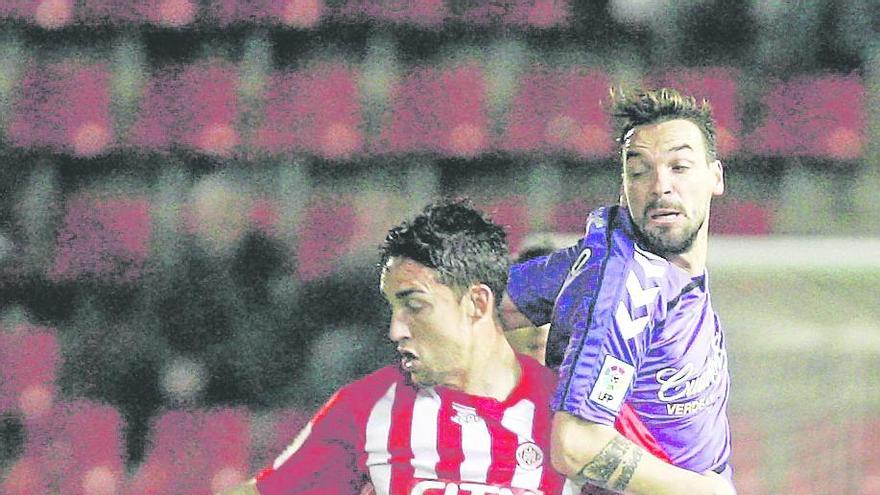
407,360
663,215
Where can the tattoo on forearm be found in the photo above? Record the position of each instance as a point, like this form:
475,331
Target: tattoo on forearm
629,467
618,453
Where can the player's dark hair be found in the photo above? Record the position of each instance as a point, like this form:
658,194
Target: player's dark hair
457,240
630,110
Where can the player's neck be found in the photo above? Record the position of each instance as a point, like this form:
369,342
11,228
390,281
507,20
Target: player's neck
495,371
694,260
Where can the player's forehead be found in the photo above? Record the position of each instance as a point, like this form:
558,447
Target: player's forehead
401,274
671,135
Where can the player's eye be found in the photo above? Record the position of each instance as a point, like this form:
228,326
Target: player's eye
414,305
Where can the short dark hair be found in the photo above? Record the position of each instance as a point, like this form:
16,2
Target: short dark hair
655,106
457,240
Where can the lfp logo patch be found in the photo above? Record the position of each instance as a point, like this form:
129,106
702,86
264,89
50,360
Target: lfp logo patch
614,380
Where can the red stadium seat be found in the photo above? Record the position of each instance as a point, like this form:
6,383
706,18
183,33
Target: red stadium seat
561,111
194,106
77,451
26,476
29,361
314,112
64,107
440,111
717,85
195,452
814,116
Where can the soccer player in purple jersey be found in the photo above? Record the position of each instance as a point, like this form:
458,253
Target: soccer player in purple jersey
629,305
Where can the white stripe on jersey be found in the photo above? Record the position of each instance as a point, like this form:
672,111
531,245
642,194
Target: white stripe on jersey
476,444
376,446
520,419
423,439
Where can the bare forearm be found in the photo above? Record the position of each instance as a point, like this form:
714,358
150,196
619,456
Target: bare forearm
598,455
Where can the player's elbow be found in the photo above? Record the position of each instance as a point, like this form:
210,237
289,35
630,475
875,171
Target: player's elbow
564,459
575,443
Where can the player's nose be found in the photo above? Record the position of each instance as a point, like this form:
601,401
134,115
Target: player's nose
398,329
661,181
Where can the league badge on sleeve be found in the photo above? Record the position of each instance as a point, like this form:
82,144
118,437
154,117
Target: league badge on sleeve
614,380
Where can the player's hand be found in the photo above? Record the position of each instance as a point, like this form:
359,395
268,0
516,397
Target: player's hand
720,484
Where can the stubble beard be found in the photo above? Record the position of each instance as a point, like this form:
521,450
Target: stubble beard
663,242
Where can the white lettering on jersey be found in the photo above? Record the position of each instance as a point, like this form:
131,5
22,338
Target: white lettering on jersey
678,384
424,445
376,445
436,487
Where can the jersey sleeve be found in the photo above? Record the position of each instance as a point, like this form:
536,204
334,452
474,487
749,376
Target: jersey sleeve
322,459
534,284
610,309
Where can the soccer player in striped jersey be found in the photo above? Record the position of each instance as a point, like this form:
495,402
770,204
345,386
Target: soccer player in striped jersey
629,307
461,413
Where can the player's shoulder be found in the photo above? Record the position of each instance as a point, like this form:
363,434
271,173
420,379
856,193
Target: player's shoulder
374,385
537,373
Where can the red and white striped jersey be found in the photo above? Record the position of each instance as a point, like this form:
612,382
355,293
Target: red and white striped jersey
408,440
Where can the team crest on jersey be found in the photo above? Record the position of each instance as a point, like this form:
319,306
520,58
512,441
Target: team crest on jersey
529,456
465,415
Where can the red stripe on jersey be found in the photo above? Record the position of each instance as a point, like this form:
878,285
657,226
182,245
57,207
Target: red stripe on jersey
449,443
630,425
504,445
399,443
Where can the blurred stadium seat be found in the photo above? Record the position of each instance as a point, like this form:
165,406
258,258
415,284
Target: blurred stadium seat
193,106
718,85
195,452
557,111
816,116
64,107
314,111
78,450
439,110
29,363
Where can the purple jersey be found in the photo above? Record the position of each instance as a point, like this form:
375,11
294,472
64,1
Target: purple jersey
637,330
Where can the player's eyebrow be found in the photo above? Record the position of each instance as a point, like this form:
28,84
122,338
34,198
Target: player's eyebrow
407,292
681,147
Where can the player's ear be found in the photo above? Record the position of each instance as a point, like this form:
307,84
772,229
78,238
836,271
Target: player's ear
718,171
480,301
